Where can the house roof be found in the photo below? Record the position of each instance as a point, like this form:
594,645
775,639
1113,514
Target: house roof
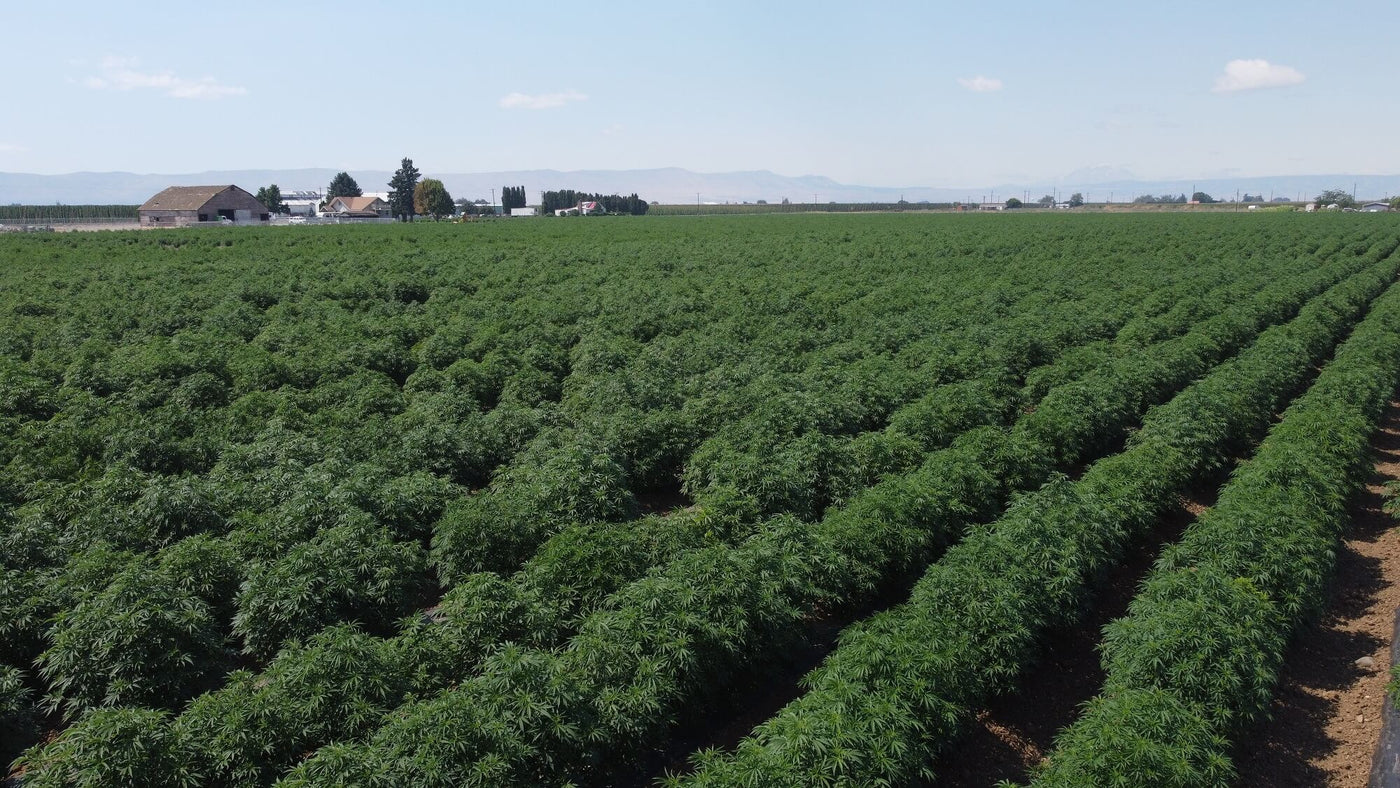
357,203
184,198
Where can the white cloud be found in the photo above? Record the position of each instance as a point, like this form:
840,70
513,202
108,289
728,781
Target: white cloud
6,147
980,84
1255,74
541,100
119,73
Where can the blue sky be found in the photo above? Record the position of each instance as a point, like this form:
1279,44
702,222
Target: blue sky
881,93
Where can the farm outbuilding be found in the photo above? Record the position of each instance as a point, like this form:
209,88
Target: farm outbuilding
301,207
366,207
178,206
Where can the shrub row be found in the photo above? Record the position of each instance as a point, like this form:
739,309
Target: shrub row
1196,658
900,685
572,573
268,416
800,443
579,566
794,451
678,637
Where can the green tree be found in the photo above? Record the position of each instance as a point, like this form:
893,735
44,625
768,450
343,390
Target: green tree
1046,202
1076,200
512,197
1336,197
271,198
430,198
1013,204
1395,203
1202,197
401,188
342,185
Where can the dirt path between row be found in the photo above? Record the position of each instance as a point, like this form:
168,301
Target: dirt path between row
1326,711
1015,732
1326,714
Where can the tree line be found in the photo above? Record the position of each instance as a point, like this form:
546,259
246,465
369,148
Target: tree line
512,197
410,195
612,203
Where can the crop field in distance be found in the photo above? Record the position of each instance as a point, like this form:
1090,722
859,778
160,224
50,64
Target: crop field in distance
773,500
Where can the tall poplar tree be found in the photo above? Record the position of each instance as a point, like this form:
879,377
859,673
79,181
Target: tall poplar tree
512,197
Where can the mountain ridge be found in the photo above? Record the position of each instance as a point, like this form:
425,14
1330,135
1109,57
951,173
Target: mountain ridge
679,185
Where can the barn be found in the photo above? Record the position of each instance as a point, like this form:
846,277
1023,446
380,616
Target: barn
178,206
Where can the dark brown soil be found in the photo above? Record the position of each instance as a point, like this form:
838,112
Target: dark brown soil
662,501
1326,711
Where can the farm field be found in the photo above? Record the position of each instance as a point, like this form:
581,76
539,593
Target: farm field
572,501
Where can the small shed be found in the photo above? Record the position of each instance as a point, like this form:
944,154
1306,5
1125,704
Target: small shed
1376,207
301,207
178,206
522,211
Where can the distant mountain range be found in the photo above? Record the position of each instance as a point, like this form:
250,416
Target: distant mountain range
675,185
